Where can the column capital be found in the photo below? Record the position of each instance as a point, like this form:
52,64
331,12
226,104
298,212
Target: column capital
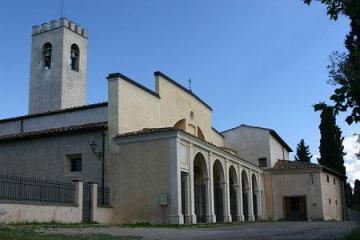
205,179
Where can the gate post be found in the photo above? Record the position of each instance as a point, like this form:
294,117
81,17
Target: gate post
79,185
94,201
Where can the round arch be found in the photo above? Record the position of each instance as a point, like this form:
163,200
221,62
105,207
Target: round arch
200,189
245,194
233,187
219,190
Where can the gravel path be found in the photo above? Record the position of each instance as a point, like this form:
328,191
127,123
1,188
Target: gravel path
253,231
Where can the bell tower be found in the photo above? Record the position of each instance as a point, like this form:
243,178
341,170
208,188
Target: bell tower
58,67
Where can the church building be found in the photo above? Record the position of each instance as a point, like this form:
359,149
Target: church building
156,150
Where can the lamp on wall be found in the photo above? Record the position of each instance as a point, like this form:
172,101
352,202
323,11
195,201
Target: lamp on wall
93,147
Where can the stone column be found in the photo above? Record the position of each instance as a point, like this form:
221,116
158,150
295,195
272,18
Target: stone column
240,212
79,185
227,215
250,199
191,197
176,216
187,210
259,199
211,218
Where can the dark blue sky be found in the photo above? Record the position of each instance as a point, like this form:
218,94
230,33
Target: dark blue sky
257,62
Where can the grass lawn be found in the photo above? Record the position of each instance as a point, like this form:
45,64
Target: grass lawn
355,234
27,233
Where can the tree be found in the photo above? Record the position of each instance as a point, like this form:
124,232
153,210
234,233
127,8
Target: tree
357,194
331,141
349,197
344,68
302,152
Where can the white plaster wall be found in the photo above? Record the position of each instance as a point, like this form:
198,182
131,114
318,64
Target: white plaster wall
22,213
277,151
250,143
332,211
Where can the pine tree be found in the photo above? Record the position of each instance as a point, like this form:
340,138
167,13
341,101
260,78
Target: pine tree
331,142
302,152
357,194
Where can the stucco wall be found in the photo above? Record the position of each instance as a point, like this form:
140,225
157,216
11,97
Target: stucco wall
132,108
277,151
47,157
138,173
177,104
333,210
137,108
64,119
250,143
22,213
297,184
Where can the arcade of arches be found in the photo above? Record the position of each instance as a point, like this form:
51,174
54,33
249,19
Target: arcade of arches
220,191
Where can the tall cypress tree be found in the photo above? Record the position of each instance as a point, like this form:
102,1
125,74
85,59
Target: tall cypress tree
302,152
331,142
349,197
357,194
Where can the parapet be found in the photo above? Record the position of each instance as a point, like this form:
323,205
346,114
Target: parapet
63,22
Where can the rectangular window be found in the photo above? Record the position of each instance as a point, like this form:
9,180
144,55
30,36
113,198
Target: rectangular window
336,202
334,181
327,178
262,162
329,200
76,165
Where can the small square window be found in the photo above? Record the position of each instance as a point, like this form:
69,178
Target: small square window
76,164
262,162
327,178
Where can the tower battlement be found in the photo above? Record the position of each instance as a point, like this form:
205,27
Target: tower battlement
55,24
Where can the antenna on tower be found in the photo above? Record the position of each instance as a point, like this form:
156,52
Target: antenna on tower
61,8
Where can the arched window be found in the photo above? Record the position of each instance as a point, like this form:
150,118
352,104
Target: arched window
181,124
47,49
74,57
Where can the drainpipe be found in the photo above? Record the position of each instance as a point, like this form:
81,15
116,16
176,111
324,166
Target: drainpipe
103,168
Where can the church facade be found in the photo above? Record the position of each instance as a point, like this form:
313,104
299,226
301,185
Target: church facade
157,149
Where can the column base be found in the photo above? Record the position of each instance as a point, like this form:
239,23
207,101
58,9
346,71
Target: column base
211,219
251,218
240,218
177,219
259,217
190,219
227,218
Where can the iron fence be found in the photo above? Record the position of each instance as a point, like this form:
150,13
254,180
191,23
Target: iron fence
103,198
23,189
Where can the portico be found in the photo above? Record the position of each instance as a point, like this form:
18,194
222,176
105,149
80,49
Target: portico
211,184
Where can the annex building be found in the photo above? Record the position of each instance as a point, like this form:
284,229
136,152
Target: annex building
154,151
